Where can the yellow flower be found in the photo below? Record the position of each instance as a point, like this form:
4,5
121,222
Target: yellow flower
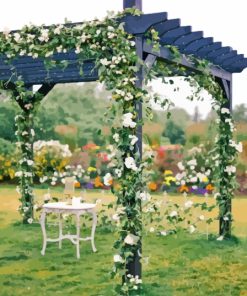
91,169
205,179
7,163
169,179
11,173
168,172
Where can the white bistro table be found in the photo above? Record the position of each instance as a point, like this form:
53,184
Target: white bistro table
64,208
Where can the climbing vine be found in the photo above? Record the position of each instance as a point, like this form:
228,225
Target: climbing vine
114,52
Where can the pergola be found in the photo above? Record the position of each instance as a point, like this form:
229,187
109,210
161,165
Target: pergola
225,61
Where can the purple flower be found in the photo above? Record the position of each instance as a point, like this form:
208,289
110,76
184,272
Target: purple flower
89,186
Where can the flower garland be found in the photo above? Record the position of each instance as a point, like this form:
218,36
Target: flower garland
115,57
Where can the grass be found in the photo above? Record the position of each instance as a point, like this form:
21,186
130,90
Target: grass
182,265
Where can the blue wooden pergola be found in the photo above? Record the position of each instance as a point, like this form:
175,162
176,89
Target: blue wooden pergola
225,61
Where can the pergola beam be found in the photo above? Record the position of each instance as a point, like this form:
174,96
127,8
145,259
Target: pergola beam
166,54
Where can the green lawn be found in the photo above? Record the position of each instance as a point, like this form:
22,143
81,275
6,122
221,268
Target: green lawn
178,265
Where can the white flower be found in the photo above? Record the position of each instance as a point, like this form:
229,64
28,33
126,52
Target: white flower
163,233
43,179
32,132
192,162
105,62
120,92
145,196
17,37
193,180
25,209
225,218
217,195
224,111
118,259
220,238
133,139
115,217
98,32
131,239
130,163
30,220
116,137
128,97
44,35
192,228
30,162
127,120
188,204
18,174
118,172
238,147
108,179
132,43
230,169
201,217
151,229
57,30
173,214
180,166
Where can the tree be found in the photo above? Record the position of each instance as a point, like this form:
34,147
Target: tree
240,113
174,133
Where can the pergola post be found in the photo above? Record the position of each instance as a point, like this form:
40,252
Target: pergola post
225,208
134,267
26,183
132,3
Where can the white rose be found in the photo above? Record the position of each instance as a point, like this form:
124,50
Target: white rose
127,120
192,228
145,196
180,166
224,111
108,179
173,214
118,259
130,163
30,220
133,139
116,137
131,239
201,217
188,204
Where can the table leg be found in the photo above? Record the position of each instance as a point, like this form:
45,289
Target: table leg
93,230
60,230
42,223
78,236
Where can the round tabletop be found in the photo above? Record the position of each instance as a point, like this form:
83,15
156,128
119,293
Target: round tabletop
66,206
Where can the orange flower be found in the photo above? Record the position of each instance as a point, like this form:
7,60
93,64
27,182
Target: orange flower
209,187
183,188
97,182
152,186
77,184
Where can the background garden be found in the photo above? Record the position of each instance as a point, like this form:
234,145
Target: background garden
72,139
